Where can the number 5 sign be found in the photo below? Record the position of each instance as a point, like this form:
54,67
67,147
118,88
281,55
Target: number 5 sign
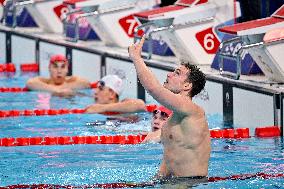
128,24
208,40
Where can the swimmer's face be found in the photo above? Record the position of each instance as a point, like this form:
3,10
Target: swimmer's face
58,71
176,80
104,95
159,119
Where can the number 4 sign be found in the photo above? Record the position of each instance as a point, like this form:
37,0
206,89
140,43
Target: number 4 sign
128,24
208,40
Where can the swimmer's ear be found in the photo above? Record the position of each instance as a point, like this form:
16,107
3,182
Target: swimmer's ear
113,95
187,86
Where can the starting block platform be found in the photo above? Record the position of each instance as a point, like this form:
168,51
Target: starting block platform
112,20
263,40
189,27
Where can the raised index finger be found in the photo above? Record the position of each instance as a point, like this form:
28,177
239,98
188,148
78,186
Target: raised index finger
140,44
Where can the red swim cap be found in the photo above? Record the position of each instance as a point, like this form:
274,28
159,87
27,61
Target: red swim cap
58,58
164,109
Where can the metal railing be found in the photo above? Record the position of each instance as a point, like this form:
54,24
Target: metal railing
14,6
170,27
90,11
237,57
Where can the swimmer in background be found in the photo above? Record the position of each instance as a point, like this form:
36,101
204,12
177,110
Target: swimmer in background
160,117
107,95
59,84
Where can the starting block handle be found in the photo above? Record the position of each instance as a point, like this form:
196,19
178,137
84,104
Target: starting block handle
236,58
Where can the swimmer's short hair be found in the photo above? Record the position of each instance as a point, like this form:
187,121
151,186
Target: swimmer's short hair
196,77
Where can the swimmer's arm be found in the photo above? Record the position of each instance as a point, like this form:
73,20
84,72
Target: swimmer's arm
127,106
78,83
153,137
40,84
175,102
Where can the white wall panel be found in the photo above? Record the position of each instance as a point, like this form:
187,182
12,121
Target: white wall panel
252,109
86,65
46,51
23,50
2,47
211,98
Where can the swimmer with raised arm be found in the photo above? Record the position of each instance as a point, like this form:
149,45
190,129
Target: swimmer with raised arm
59,83
185,137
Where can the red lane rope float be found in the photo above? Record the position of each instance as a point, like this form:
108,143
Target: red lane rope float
271,131
246,176
8,67
25,89
230,133
43,112
150,107
142,184
29,67
13,89
71,140
107,185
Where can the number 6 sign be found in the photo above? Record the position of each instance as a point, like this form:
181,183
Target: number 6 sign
208,40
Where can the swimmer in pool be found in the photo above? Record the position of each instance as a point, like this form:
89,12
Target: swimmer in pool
160,117
185,137
107,94
59,84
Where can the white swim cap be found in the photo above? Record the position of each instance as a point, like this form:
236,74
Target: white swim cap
113,82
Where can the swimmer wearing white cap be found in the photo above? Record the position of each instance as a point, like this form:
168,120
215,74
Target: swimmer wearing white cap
107,94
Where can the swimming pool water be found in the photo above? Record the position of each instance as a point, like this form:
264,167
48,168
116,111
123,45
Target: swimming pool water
81,165
78,165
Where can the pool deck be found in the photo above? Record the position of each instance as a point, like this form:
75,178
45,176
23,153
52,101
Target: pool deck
254,81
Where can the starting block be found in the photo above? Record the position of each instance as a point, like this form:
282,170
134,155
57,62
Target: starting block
47,14
113,20
262,39
189,27
12,16
76,27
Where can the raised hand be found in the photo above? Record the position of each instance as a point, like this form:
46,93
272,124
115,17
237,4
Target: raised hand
135,49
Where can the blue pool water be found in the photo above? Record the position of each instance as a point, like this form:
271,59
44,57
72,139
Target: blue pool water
81,165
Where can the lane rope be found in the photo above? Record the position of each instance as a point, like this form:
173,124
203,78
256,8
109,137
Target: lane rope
143,184
239,133
71,140
51,112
